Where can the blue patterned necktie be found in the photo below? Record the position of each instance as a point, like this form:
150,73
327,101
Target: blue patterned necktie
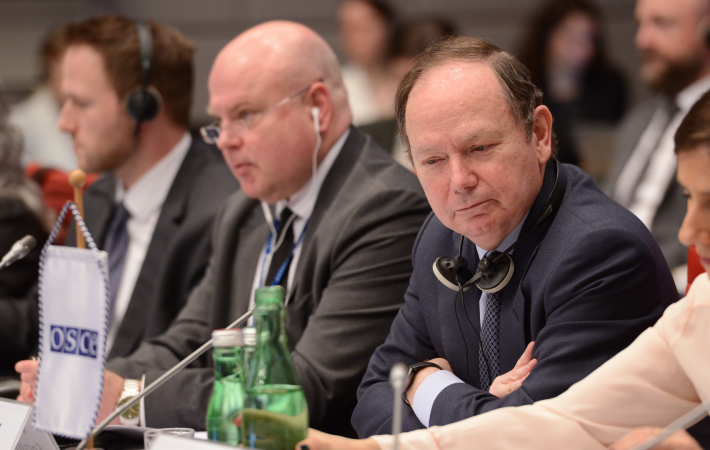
116,245
490,344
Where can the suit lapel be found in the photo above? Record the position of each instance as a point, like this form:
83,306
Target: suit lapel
514,319
99,205
337,176
144,296
629,138
253,233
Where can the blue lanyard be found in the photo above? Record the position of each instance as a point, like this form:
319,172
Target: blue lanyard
280,273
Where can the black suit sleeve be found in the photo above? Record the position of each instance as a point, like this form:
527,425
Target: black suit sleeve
371,267
407,342
595,304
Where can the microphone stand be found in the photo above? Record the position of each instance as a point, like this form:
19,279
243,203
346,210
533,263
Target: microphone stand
157,383
686,420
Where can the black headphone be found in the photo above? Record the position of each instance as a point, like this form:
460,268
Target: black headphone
143,103
495,270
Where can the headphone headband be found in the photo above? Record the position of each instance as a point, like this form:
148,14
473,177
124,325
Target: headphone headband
143,103
145,41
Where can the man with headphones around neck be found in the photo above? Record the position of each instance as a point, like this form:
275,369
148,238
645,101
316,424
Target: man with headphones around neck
127,88
576,274
342,254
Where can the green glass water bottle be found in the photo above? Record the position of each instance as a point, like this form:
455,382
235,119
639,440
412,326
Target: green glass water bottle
227,398
275,415
249,336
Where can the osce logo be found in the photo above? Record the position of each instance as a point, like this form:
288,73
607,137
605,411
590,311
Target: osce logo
74,341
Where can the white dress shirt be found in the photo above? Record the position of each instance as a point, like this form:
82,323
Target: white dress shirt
432,386
301,204
144,202
650,191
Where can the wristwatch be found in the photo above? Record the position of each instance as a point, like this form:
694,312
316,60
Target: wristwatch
413,369
132,416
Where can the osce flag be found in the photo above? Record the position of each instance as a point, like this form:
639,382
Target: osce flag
73,315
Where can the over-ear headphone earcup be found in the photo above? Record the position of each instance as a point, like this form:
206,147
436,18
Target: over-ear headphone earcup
446,269
497,275
143,104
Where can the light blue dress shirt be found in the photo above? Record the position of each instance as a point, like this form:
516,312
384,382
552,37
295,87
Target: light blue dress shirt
432,386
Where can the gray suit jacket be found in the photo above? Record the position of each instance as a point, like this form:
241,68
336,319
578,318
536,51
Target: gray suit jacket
349,284
669,216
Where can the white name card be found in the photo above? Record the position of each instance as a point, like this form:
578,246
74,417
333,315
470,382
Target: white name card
16,432
13,417
32,439
168,442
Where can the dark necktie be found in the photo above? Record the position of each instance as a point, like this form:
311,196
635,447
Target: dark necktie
116,245
639,161
489,342
283,252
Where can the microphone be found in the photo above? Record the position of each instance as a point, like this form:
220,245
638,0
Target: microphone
157,383
19,250
398,375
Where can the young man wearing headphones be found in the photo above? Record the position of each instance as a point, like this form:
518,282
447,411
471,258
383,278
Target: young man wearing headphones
673,41
577,275
338,238
127,90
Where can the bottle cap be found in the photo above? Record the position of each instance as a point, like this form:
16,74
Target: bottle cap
227,338
249,335
269,295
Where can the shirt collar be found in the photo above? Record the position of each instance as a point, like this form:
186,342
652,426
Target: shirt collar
303,201
691,94
148,194
507,242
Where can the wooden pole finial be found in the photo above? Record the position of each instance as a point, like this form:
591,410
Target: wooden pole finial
77,178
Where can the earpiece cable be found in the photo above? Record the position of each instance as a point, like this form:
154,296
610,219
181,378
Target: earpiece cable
465,345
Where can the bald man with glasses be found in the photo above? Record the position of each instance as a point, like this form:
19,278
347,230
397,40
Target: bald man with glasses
338,239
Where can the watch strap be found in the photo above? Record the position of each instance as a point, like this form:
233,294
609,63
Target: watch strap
131,388
413,369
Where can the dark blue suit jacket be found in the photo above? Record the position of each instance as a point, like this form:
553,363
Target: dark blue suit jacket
586,283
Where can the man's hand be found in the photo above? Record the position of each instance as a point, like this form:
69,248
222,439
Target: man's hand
318,440
511,381
422,374
680,440
113,387
28,375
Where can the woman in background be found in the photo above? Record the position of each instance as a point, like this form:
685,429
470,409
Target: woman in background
366,29
565,54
